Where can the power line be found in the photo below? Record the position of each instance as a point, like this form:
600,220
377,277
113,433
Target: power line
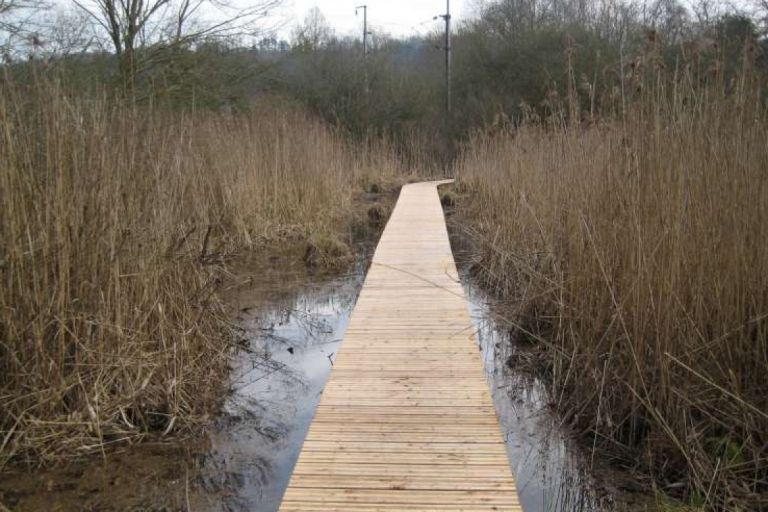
420,26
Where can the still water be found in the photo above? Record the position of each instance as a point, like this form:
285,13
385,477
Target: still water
291,325
278,382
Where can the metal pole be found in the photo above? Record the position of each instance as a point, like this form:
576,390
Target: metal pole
365,27
365,30
447,18
365,46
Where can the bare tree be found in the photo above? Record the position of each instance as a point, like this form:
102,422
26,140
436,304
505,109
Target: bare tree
669,17
8,7
314,32
146,25
15,23
761,14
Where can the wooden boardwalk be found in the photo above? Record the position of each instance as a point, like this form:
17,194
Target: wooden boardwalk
406,420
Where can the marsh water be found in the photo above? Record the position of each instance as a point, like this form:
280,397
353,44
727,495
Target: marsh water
278,385
292,325
278,382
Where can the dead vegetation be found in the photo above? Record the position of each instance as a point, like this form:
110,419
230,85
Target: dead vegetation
634,253
116,224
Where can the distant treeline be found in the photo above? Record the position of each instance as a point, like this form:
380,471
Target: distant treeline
561,60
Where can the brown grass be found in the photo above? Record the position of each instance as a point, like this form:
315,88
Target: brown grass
634,253
115,222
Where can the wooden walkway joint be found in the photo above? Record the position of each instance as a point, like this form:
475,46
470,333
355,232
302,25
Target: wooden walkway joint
406,421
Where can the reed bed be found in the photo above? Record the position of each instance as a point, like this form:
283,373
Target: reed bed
115,223
632,253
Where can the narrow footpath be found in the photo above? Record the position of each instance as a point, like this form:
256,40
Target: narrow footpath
406,421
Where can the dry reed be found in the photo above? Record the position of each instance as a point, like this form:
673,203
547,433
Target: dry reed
633,253
114,222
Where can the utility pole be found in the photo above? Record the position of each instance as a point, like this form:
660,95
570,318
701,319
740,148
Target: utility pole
366,33
447,18
365,27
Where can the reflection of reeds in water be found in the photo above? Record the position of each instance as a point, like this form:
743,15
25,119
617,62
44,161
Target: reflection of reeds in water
275,396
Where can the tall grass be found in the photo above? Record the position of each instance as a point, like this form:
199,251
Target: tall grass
633,253
114,222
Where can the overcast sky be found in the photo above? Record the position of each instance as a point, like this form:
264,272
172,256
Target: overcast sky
397,17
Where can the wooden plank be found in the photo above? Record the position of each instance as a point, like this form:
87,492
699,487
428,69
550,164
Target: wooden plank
399,469
406,421
413,483
415,429
379,497
402,437
485,411
313,506
391,457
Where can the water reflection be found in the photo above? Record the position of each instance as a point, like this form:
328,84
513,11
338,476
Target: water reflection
548,467
290,346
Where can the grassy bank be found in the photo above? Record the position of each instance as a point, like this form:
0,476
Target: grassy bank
116,223
632,254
